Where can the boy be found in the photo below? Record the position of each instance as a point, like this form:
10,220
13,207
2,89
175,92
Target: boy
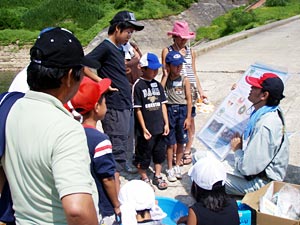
152,120
90,103
109,53
179,108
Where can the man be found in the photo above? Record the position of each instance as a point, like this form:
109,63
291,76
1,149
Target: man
46,159
262,154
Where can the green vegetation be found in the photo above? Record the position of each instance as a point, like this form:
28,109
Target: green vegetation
21,20
238,19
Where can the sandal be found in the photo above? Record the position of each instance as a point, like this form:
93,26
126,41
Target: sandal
187,158
174,160
148,182
160,183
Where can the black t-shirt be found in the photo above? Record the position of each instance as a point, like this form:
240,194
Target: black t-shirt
149,97
113,66
228,216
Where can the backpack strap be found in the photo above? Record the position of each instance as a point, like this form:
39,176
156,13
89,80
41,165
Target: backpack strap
7,99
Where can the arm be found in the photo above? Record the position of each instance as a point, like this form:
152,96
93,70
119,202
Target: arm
192,219
110,187
2,179
166,119
164,69
88,72
95,77
79,209
135,60
202,95
136,49
260,148
140,118
187,87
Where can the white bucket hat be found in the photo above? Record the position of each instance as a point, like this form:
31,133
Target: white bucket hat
207,171
137,195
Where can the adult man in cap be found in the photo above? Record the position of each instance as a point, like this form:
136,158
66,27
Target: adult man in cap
46,158
110,54
262,153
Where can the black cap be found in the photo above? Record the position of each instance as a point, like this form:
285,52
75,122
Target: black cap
61,49
274,86
125,16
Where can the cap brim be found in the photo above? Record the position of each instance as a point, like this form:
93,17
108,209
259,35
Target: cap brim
177,63
253,81
191,35
90,63
137,26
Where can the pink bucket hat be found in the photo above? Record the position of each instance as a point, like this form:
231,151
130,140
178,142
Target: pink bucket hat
181,29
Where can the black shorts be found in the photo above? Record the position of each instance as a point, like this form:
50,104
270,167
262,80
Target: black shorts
154,148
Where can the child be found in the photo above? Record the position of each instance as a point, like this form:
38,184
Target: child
152,120
213,205
109,53
89,101
181,36
179,107
138,204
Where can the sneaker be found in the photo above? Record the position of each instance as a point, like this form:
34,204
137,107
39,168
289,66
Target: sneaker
170,175
177,172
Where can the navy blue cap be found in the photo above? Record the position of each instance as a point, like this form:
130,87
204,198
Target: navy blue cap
174,58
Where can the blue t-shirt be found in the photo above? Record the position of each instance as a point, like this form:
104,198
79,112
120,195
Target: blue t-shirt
102,165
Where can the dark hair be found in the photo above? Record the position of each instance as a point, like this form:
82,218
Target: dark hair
271,101
142,212
215,199
40,77
121,25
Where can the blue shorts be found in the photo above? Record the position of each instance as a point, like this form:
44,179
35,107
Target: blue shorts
116,124
177,115
194,111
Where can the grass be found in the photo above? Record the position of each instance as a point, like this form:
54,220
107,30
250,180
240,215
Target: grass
237,20
21,20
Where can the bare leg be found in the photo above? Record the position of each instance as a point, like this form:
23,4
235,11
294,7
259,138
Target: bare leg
179,153
191,134
170,156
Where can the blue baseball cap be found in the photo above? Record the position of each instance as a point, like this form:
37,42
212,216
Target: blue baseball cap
151,61
174,58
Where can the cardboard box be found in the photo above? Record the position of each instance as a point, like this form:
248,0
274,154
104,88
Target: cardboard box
252,200
244,213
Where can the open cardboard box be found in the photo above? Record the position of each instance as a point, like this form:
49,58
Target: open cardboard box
252,200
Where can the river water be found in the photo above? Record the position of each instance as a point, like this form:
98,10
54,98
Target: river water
6,79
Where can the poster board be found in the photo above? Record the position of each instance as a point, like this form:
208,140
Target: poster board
233,113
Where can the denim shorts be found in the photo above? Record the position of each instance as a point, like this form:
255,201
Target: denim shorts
177,115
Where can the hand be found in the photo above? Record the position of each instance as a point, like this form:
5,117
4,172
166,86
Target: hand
166,130
182,219
147,134
187,123
118,217
112,89
236,142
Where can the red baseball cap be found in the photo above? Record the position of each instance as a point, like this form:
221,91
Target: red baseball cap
88,95
269,82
